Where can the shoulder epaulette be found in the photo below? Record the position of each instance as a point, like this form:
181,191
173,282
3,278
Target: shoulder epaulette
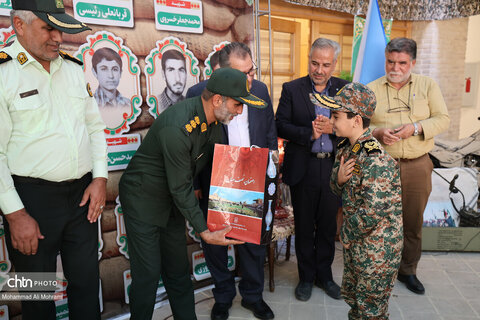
67,56
192,124
342,143
4,57
371,146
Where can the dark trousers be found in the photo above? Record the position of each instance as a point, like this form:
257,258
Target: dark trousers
66,229
155,251
251,259
315,209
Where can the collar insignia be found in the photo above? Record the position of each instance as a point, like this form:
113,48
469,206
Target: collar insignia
22,58
356,147
197,120
204,127
193,124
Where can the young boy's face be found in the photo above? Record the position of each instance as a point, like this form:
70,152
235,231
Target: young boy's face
341,124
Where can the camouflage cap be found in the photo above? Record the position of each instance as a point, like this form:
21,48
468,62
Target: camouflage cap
353,97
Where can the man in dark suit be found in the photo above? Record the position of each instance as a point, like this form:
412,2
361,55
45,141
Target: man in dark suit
307,166
252,127
157,195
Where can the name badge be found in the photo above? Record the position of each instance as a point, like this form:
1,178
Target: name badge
28,93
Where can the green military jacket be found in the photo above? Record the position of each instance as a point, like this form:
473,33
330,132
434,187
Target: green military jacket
371,198
158,181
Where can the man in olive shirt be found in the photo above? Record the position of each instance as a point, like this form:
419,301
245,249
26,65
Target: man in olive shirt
51,146
157,195
410,113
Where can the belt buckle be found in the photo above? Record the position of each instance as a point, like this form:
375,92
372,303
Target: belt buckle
322,155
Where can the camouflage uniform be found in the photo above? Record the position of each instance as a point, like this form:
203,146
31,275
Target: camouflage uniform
372,212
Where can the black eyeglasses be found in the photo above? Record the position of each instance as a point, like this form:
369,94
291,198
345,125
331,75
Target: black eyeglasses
252,71
405,105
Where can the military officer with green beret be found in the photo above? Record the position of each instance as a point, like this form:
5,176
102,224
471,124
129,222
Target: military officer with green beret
157,195
368,180
53,168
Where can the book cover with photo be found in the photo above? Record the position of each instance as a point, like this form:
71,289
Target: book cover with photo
237,193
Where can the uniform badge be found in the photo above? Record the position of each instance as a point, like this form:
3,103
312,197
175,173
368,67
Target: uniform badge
193,124
59,4
356,169
356,147
22,58
342,143
89,90
204,127
371,146
4,57
197,119
189,128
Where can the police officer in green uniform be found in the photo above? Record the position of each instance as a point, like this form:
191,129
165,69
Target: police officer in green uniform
157,195
368,180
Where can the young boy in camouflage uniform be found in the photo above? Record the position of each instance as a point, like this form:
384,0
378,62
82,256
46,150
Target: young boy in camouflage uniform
368,180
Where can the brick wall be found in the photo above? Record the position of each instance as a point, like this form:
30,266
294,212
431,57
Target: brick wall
441,47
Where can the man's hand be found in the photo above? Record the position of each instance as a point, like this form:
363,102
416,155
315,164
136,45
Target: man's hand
96,192
386,136
316,132
218,237
24,231
198,194
405,131
323,124
345,171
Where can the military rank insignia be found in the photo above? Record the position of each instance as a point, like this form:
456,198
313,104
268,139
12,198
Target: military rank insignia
197,120
342,143
4,57
371,146
188,127
356,148
193,124
89,90
356,169
204,127
22,58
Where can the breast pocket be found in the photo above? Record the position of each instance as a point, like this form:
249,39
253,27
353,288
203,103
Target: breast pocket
29,114
78,96
421,110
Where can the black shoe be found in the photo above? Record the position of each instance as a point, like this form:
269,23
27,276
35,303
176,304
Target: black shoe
260,309
331,289
413,284
220,311
303,291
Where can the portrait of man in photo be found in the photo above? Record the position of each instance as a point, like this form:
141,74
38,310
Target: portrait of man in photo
175,75
107,68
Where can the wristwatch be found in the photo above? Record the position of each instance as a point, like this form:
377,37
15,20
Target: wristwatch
415,132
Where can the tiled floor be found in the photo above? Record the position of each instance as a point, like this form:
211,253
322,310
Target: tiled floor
452,283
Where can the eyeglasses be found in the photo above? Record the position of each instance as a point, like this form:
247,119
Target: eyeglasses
252,71
405,105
